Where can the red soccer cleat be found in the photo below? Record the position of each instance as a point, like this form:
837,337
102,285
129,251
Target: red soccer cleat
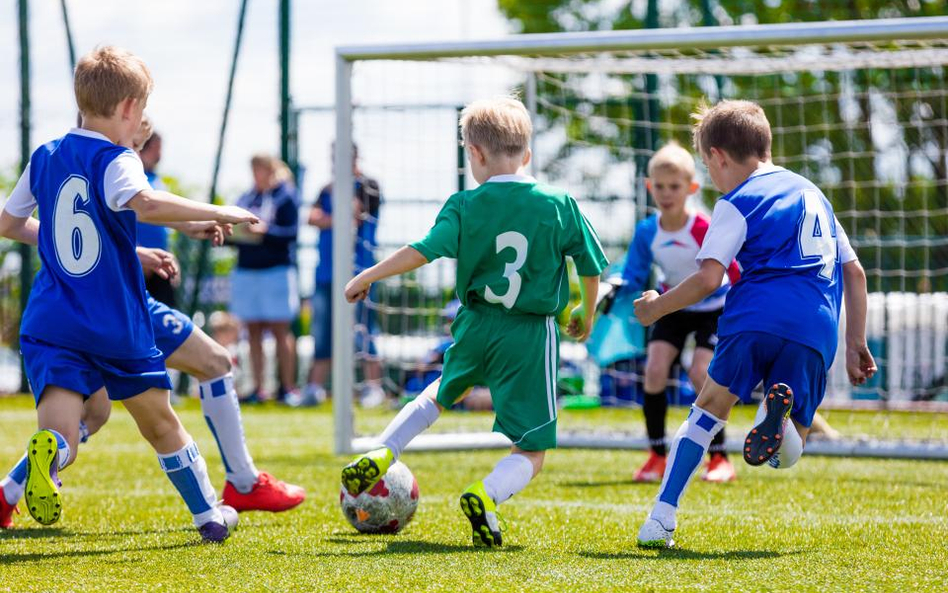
268,494
719,469
6,512
653,470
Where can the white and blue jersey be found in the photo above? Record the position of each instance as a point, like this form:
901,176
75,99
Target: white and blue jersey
782,231
675,253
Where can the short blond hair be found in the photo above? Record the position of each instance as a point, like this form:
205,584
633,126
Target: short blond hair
501,126
108,75
280,170
740,128
672,158
144,133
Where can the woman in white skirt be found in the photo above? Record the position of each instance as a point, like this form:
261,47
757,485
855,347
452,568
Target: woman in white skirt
264,293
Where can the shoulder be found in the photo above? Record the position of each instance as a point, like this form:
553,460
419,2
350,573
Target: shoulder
646,229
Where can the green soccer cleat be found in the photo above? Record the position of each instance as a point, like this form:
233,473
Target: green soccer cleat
366,470
482,513
43,499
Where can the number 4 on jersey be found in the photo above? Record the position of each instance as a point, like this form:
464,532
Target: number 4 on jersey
817,237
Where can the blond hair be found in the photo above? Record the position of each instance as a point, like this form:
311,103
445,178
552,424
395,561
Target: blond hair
144,133
740,128
672,158
280,170
108,75
501,126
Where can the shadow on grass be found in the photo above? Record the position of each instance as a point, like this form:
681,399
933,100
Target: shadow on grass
683,554
53,532
396,547
40,556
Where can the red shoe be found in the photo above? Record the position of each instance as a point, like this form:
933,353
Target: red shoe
6,512
268,494
653,470
719,469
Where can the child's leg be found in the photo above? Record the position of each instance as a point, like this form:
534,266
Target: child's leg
209,363
661,354
412,420
177,453
691,442
60,411
513,473
719,468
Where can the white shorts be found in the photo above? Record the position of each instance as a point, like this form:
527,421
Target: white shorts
270,294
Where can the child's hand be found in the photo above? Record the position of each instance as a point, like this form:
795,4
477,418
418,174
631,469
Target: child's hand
235,215
860,366
210,230
357,289
646,308
580,324
158,261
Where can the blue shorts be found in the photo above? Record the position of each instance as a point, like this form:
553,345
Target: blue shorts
84,373
742,360
172,327
269,294
366,326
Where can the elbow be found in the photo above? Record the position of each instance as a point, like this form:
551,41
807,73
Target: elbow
853,273
710,283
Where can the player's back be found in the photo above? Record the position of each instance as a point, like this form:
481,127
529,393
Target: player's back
790,282
89,294
512,246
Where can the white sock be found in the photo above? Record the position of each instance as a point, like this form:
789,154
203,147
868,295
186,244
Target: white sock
510,476
14,482
688,448
412,420
188,472
222,413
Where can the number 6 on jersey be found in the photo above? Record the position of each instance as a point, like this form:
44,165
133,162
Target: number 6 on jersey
517,242
74,234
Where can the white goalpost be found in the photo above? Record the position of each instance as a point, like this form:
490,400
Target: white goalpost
859,107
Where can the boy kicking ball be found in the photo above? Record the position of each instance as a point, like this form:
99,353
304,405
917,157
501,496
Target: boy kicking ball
511,237
780,321
671,239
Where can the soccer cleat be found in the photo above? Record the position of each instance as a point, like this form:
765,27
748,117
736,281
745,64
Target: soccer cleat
481,511
653,470
213,532
366,470
654,535
267,494
43,499
764,440
6,512
719,469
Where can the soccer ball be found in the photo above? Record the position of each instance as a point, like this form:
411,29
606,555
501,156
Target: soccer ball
385,508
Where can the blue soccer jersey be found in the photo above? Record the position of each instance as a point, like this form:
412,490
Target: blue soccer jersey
782,231
89,294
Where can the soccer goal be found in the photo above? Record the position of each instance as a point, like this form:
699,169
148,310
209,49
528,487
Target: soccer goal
859,107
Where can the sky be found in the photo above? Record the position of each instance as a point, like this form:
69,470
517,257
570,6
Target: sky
188,46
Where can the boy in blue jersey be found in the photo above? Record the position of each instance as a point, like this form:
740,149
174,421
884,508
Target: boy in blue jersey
780,321
86,323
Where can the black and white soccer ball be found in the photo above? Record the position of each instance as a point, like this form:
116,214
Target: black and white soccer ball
387,507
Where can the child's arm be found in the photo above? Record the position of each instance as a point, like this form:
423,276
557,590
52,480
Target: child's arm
23,230
205,229
159,207
158,261
581,318
404,260
860,366
651,306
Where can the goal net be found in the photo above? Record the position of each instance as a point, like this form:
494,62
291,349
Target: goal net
860,108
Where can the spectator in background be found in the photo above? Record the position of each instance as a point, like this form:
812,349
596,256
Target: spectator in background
150,235
368,199
264,292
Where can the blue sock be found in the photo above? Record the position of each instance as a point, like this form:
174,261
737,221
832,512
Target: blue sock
12,484
688,448
188,472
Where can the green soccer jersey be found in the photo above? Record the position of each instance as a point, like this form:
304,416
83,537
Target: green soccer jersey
511,237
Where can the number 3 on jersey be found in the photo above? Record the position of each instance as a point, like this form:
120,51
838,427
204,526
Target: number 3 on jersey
74,234
517,242
816,233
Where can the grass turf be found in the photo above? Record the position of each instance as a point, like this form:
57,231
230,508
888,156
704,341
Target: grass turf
828,524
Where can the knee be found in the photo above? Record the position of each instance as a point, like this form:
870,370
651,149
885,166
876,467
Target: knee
96,418
216,363
656,376
161,427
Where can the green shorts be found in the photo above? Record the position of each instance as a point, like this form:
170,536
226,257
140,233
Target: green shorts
517,357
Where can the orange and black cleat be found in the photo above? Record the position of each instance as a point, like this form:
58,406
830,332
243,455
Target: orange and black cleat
763,441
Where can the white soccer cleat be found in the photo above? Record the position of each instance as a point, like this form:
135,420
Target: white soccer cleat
654,535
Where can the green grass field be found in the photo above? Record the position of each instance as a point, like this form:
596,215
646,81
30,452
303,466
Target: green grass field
828,524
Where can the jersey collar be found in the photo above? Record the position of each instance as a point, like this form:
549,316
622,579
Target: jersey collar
512,178
771,168
90,134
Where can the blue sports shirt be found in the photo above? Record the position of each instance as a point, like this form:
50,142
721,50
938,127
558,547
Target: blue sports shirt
790,247
366,189
89,294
